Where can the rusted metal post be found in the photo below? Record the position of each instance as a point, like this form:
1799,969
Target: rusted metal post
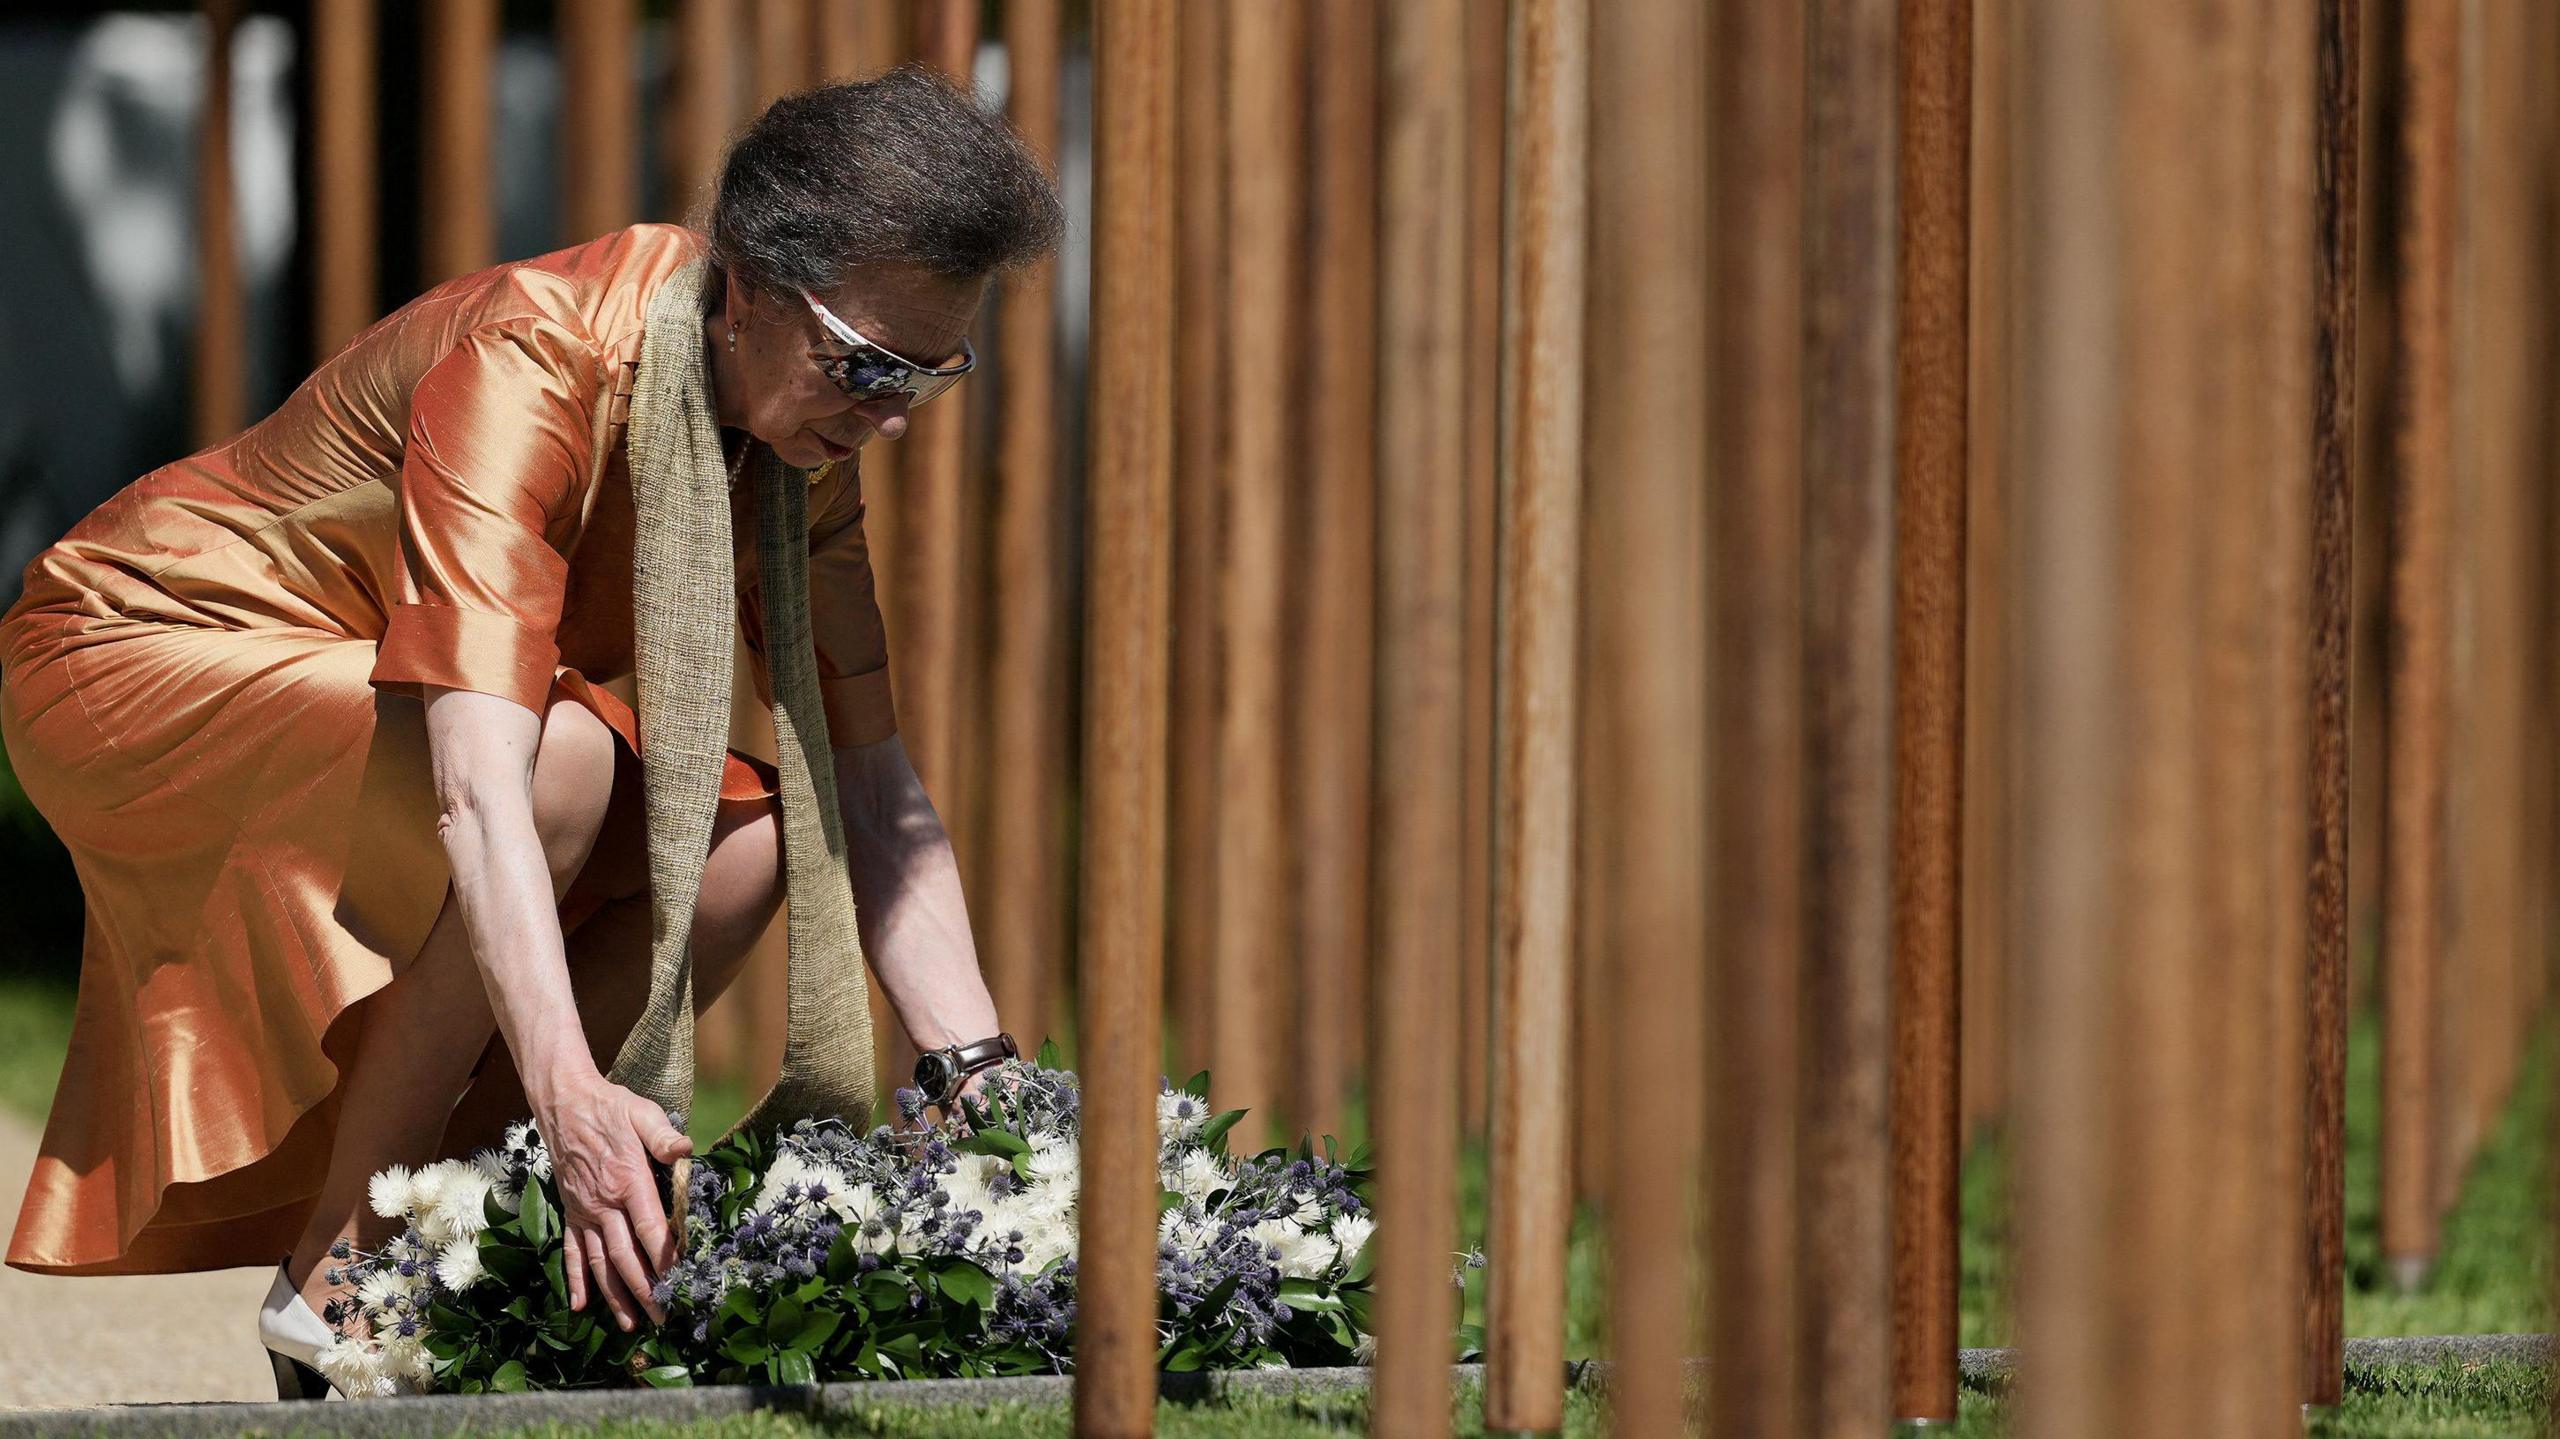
1844,1368
345,297
1647,266
460,177
599,114
219,380
1755,343
1332,729
1026,687
2333,439
2416,683
1931,301
1129,519
1249,947
1539,596
1421,654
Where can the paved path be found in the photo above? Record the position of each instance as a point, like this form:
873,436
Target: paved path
121,1340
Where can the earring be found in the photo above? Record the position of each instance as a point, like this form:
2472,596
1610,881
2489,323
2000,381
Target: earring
733,339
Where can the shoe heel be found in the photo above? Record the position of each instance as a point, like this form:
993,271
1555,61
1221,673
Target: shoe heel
297,1380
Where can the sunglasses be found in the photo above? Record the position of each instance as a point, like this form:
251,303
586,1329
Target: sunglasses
873,371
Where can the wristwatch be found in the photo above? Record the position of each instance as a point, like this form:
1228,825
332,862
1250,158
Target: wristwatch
940,1072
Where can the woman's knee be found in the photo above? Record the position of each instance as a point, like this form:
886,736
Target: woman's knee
742,881
572,785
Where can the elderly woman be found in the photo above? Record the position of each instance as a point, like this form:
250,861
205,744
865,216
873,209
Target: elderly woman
337,718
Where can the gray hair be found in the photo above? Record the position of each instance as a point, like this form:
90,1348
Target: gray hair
904,168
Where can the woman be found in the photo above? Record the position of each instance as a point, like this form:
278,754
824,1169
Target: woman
319,711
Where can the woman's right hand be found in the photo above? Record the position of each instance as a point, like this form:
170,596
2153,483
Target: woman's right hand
614,1235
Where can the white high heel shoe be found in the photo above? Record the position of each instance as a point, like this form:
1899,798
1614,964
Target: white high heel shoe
294,1337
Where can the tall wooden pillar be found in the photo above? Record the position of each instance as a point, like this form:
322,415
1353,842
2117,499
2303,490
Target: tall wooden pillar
2417,682
1027,693
219,377
461,200
1845,1153
1539,596
1331,742
346,297
599,112
1421,657
1130,515
1250,941
1754,407
2164,565
1485,27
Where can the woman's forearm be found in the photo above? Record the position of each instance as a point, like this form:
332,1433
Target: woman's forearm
504,886
906,890
481,748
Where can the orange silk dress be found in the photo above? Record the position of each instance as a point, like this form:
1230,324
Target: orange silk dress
210,687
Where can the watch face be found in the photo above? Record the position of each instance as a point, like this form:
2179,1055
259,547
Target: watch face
934,1073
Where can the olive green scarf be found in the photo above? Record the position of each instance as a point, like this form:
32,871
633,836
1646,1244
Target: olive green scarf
683,602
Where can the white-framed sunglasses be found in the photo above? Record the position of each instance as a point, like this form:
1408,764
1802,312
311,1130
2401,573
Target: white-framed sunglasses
874,370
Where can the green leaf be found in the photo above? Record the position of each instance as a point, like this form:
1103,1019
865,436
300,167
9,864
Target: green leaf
554,1277
541,1223
966,1283
793,1366
510,1378
747,1350
815,1330
999,1143
1362,1263
1048,1056
1215,1133
667,1376
1197,1086
1308,1294
508,1261
1167,1200
783,1319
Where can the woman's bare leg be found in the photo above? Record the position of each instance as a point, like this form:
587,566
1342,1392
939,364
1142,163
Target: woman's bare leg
609,953
421,1032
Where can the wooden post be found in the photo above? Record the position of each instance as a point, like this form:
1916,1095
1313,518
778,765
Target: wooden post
2164,554
1130,518
1251,942
1027,689
461,182
1200,439
599,112
1755,86
220,379
1931,298
782,54
1647,433
1844,1367
344,230
706,100
2332,613
1485,26
1540,552
2416,684
1332,729
1421,654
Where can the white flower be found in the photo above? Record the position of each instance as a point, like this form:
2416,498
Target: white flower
1301,1254
792,1169
355,1366
1351,1232
1045,1241
458,1266
1053,1159
465,1191
1364,1350
408,1362
1185,1232
381,1290
390,1192
426,1186
972,1184
1049,1201
1179,1116
1195,1175
521,1137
